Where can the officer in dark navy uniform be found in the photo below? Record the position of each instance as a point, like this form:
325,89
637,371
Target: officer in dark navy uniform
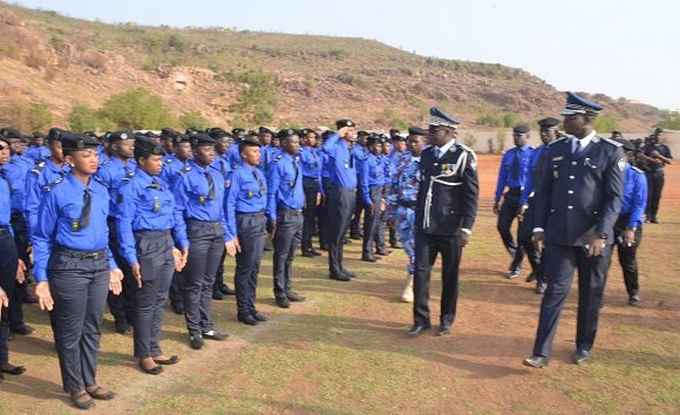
341,193
577,204
74,267
245,206
311,163
9,262
149,230
656,156
199,195
371,183
513,174
445,213
286,199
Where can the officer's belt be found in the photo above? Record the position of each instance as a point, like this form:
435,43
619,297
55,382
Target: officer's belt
155,232
250,213
410,204
72,253
287,209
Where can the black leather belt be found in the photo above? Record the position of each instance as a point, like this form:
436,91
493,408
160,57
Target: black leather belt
72,253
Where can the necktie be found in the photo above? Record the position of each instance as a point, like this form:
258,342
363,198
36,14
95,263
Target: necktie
297,172
351,160
211,185
579,148
259,182
87,207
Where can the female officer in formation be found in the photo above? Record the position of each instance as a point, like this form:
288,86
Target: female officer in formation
147,222
74,268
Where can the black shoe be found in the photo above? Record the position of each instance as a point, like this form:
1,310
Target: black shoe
582,356
315,252
340,277
395,245
196,342
282,302
654,221
308,254
541,287
215,335
513,273
634,300
261,318
369,258
22,330
537,362
349,273
156,370
217,295
122,327
418,329
13,370
346,241
177,308
227,290
444,330
248,320
382,252
355,236
295,297
531,277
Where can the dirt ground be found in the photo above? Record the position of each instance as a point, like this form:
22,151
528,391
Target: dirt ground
345,350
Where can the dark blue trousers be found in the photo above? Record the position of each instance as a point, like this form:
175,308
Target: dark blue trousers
79,285
8,270
341,202
311,212
251,229
16,301
154,252
560,264
289,224
508,213
372,220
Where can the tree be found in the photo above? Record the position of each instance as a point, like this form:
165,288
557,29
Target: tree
83,118
137,109
194,120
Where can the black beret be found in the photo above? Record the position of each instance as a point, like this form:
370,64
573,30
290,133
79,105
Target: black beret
11,133
54,134
344,123
249,141
263,130
238,132
373,139
4,140
305,131
286,132
417,131
201,140
90,134
398,137
627,145
521,129
38,134
145,146
191,131
181,138
217,133
549,122
71,142
119,136
168,134
658,130
362,133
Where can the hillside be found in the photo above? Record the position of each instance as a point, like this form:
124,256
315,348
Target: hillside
62,61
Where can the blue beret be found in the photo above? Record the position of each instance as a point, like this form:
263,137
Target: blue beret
442,119
579,105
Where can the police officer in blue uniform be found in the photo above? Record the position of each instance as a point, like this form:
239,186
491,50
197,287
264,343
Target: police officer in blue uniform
246,202
402,199
385,150
577,204
16,172
513,173
341,193
119,169
9,265
310,162
355,229
286,200
628,227
149,230
234,155
74,267
445,213
398,152
36,150
549,132
324,222
656,156
199,195
372,181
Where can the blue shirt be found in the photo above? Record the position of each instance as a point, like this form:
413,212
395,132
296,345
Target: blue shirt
194,196
311,162
371,174
234,156
5,202
15,173
405,182
146,204
221,164
113,173
37,153
172,169
59,222
285,185
634,195
533,165
341,161
269,154
43,174
514,169
247,194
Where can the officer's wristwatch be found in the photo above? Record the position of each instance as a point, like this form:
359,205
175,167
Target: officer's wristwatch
603,236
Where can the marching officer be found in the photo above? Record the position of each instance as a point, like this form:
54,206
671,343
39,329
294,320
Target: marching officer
403,197
149,228
355,230
74,268
310,161
656,156
324,222
10,271
397,155
199,195
371,181
286,199
445,213
341,193
628,227
513,173
549,133
245,203
577,204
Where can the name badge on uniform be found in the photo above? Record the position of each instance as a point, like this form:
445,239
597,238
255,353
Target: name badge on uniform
156,205
201,200
75,225
250,195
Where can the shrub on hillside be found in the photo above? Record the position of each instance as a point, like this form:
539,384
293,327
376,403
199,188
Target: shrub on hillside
137,109
194,120
34,116
258,98
83,118
670,120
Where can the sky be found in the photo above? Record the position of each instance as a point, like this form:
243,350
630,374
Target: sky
623,48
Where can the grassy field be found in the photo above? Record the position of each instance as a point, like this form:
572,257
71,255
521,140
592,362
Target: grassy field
345,351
